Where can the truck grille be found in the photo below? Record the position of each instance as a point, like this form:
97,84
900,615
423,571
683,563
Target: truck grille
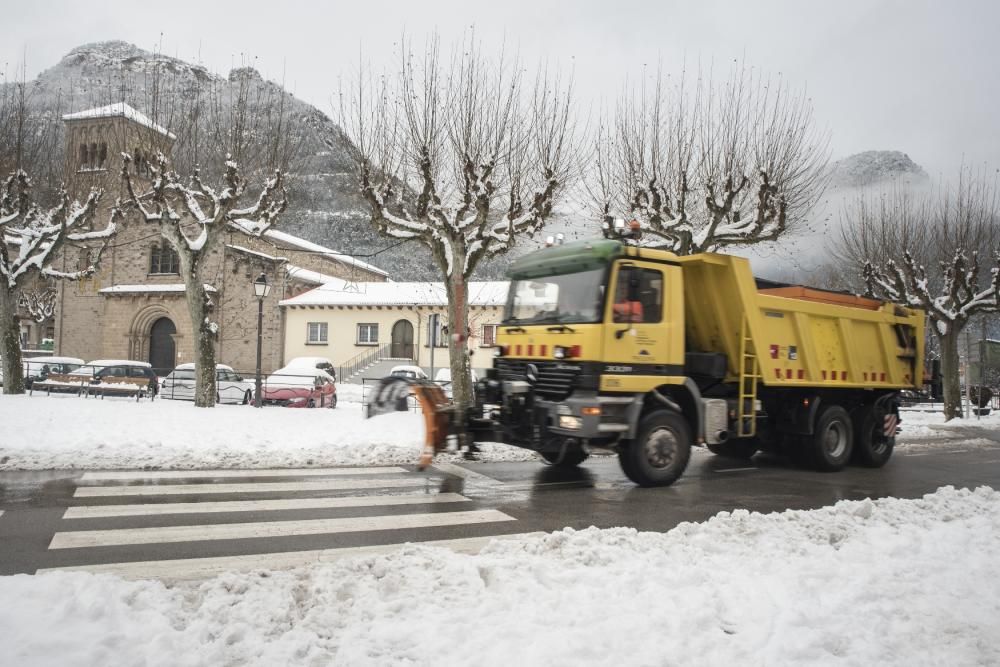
555,378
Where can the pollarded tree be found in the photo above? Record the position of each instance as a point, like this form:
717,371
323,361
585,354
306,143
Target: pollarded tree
461,156
709,165
194,220
894,236
30,240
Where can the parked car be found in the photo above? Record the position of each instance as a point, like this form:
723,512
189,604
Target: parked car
409,372
137,370
443,378
322,363
300,387
229,385
39,368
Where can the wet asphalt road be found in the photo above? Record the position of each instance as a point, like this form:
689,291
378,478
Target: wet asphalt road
489,498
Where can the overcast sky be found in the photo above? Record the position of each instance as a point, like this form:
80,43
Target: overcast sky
921,77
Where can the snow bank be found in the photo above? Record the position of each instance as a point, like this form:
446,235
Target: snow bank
66,432
917,424
904,582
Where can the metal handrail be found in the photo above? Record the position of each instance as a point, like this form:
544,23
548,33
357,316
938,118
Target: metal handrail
361,361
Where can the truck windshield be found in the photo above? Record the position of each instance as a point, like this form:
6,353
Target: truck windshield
565,298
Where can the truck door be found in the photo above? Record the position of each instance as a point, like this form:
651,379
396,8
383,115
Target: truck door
643,324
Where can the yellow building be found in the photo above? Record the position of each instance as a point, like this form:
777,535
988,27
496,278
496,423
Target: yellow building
386,320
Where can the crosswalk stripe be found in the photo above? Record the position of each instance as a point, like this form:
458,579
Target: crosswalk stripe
149,509
465,473
271,472
250,487
233,531
182,569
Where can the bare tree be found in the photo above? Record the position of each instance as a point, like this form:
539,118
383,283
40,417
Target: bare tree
709,165
461,156
194,220
30,240
894,236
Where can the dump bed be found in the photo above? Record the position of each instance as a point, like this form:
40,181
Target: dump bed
801,337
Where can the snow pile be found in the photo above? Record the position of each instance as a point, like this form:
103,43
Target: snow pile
918,424
905,582
67,432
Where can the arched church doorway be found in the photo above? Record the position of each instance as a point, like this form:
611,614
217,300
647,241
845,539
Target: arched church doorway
162,351
402,340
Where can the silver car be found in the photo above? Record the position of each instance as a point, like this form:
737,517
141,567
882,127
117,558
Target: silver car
230,385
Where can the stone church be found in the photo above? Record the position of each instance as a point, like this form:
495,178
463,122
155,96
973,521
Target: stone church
133,307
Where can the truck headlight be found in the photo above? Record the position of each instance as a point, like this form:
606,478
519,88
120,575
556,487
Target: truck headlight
570,422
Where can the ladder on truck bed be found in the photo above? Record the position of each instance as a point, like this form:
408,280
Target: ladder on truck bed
746,425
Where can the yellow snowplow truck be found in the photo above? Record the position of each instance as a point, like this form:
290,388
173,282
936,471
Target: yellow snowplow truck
607,346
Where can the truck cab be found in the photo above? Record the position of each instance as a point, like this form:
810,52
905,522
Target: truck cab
588,331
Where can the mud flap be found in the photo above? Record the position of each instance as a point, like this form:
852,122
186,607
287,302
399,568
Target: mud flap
437,409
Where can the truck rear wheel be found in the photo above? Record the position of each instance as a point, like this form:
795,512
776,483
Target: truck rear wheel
872,448
660,452
735,449
833,439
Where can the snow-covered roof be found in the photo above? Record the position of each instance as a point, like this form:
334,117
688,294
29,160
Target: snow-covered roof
314,277
257,253
120,110
139,289
292,240
493,293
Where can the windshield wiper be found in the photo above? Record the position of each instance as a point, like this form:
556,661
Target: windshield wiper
513,329
561,327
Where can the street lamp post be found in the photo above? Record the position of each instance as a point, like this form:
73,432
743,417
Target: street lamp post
260,289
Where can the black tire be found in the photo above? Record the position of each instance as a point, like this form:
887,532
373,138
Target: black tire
333,402
247,397
571,458
872,449
311,403
831,443
744,448
660,452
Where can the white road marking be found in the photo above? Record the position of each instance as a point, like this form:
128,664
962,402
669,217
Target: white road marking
736,469
270,472
182,569
236,531
251,487
149,509
465,473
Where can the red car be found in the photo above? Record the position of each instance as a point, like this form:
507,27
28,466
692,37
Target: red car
300,388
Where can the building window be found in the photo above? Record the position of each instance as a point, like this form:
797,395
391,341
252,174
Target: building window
367,334
489,336
316,333
163,259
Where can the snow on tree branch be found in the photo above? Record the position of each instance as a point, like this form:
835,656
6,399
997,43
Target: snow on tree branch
39,304
730,163
39,234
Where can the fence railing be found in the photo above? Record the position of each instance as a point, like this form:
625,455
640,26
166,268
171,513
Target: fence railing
361,361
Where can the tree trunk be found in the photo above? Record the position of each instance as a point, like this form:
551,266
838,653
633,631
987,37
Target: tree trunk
10,343
205,333
458,325
949,374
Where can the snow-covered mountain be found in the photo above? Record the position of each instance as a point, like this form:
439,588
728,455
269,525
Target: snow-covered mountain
873,167
325,205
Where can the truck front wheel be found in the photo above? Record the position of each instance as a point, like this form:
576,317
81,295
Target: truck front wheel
660,452
570,458
832,440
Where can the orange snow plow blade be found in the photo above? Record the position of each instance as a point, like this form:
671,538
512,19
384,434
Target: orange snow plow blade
391,395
